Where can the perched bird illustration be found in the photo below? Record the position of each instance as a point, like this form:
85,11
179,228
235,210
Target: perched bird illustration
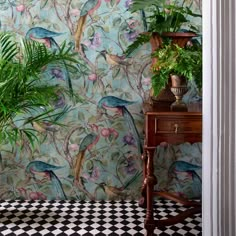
88,9
45,170
113,192
43,127
46,37
114,60
118,106
190,169
87,143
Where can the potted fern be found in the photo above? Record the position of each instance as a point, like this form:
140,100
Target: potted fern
164,18
26,98
181,64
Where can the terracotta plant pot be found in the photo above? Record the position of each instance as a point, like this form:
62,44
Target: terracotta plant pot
179,38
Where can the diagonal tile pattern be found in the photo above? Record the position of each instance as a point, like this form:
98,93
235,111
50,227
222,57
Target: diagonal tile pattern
77,218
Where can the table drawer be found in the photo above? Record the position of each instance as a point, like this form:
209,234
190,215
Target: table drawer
168,129
177,126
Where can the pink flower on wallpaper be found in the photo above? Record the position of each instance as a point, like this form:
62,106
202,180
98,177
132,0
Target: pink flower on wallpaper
59,101
114,132
133,23
20,8
37,196
128,139
128,3
92,77
107,0
105,132
96,41
131,35
94,176
57,73
75,12
73,147
147,81
130,167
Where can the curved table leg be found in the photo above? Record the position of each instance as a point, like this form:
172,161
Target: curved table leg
143,200
150,182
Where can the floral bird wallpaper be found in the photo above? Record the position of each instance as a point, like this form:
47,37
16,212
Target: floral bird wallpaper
96,154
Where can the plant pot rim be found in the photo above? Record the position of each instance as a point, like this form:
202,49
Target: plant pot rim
179,34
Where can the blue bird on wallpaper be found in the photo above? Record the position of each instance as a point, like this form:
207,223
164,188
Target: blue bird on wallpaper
118,106
183,166
46,170
87,143
46,37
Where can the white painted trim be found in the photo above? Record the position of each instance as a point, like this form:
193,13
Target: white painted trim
219,128
207,118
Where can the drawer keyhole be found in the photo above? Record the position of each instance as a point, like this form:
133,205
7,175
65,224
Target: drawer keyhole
176,128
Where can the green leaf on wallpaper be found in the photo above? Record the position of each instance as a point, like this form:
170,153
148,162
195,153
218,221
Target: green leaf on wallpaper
92,119
90,31
89,165
118,125
115,156
56,27
122,39
81,116
127,95
106,29
124,26
110,138
96,18
43,3
113,2
10,179
101,72
115,72
116,21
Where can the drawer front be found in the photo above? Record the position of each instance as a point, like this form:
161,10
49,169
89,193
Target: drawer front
176,126
172,129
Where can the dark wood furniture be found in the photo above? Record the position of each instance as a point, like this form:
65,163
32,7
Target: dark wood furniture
162,125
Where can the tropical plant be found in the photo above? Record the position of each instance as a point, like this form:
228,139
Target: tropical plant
25,96
182,61
161,16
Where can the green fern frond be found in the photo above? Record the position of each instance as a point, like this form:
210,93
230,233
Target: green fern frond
139,41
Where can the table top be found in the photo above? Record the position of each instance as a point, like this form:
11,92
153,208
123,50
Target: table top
164,107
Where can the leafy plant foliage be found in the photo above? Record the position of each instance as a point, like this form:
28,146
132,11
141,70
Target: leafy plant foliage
161,16
25,96
172,59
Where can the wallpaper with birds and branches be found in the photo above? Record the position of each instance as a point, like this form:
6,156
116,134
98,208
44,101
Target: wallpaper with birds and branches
95,154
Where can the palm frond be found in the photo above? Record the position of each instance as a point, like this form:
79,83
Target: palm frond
23,90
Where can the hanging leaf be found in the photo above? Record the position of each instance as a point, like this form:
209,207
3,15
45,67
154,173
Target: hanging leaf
43,3
81,116
115,72
116,21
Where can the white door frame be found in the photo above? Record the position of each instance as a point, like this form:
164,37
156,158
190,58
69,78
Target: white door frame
219,120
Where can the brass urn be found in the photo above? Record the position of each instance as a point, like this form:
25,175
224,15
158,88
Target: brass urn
178,88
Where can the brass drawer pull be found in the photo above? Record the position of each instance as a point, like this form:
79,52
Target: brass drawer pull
176,128
155,125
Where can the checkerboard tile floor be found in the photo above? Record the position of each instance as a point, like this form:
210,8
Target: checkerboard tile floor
87,218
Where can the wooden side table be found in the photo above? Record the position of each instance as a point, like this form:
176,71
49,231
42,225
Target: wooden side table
162,125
